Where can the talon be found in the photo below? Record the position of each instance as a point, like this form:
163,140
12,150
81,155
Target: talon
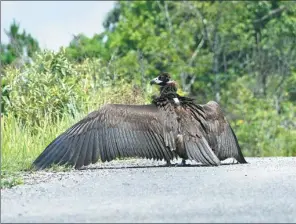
183,163
168,163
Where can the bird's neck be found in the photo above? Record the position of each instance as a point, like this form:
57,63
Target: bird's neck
169,90
168,94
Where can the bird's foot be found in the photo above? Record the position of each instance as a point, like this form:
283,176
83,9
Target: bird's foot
234,161
168,163
183,163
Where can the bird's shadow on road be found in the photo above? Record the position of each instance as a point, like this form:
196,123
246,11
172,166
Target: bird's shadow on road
154,166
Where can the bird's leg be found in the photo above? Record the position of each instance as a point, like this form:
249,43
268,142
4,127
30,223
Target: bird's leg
168,163
183,163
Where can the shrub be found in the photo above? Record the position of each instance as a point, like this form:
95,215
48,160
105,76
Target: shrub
47,97
260,129
53,86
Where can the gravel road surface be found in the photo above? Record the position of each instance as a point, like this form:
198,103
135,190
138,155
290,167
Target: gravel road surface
144,191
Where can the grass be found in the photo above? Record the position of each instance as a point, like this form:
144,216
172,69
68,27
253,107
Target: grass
20,147
10,179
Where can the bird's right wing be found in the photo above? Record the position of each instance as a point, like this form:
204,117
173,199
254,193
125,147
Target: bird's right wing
111,132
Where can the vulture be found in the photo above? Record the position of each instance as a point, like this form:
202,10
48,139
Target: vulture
171,126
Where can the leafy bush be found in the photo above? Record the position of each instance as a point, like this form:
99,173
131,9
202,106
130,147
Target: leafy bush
261,130
43,99
53,86
39,89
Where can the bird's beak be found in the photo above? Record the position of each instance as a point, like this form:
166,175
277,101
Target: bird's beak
155,81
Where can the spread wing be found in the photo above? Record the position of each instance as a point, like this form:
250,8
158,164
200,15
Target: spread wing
219,133
193,138
113,131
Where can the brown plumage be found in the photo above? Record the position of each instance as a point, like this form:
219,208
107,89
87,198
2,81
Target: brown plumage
171,126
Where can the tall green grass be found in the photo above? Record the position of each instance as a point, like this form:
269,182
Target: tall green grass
20,146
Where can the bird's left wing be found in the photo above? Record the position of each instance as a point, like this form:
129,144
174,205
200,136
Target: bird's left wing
219,133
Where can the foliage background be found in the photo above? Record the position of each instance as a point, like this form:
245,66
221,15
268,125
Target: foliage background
241,54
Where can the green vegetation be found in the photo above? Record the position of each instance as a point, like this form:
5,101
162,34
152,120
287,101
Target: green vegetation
241,54
47,97
9,179
20,44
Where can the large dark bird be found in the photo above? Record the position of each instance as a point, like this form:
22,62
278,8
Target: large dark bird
169,127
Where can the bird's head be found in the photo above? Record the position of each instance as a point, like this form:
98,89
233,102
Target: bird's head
163,79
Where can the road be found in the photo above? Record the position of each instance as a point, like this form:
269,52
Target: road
144,191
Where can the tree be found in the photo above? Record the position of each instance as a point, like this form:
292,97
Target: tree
20,48
82,47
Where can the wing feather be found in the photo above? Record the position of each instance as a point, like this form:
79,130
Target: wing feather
220,135
155,146
111,145
208,153
115,136
91,149
47,152
151,146
102,136
131,144
201,152
96,152
73,159
111,132
126,151
49,155
196,145
142,145
66,154
83,150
